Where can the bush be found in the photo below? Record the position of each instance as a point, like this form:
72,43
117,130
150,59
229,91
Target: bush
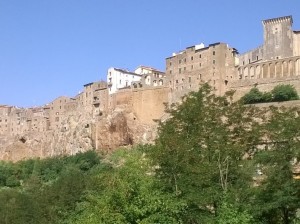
278,94
254,96
284,93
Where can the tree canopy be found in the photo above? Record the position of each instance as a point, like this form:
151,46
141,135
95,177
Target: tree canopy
214,161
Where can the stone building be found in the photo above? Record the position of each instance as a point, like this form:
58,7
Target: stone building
93,98
275,62
5,119
151,77
139,96
186,70
118,79
58,111
37,119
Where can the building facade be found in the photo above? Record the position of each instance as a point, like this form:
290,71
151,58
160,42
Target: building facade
275,62
186,70
118,79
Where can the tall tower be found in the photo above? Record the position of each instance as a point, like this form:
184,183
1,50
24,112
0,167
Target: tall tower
278,38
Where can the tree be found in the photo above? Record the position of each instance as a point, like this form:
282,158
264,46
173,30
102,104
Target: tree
126,192
230,214
284,93
200,149
254,96
278,195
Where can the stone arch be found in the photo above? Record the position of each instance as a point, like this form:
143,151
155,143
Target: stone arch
278,69
257,72
240,73
246,72
271,70
297,67
265,71
251,76
291,68
160,82
285,69
147,80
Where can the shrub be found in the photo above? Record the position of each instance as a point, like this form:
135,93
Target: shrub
284,93
278,94
254,96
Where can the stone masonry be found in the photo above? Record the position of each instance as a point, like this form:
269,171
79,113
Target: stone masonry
99,119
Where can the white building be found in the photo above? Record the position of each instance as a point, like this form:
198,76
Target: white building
151,76
120,79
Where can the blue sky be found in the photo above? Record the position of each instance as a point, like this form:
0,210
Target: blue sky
50,48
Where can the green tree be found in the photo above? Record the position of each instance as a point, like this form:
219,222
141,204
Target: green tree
18,208
126,192
284,93
254,96
200,149
230,214
278,195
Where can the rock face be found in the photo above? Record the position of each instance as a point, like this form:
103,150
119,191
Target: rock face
121,128
79,133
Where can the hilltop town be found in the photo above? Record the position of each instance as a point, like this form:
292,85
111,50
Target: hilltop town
123,110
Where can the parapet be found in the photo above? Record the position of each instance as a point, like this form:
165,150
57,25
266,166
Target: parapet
278,20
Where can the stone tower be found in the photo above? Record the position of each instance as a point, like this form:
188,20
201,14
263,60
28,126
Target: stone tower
278,38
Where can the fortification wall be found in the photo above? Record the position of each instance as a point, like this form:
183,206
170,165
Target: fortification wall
148,104
242,87
296,43
121,98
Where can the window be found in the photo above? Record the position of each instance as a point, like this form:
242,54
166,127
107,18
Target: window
184,68
192,66
170,63
192,58
179,70
170,71
185,60
214,61
120,81
190,79
177,81
200,65
200,56
214,53
180,61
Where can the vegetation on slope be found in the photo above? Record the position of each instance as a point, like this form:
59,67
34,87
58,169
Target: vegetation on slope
214,161
278,94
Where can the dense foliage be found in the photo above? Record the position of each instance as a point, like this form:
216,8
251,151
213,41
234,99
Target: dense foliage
215,161
278,94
